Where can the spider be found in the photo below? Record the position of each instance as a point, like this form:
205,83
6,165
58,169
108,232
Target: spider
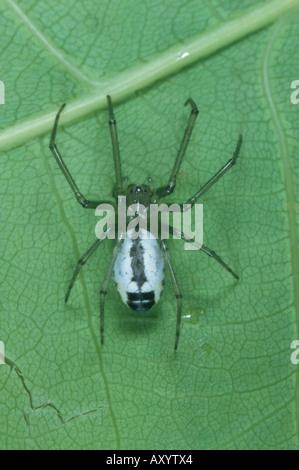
138,264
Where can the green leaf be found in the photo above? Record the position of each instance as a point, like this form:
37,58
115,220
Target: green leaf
231,383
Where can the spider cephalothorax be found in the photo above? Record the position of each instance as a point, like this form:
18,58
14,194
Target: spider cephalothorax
138,194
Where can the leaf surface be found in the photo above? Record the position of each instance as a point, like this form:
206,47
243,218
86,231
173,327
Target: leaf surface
231,383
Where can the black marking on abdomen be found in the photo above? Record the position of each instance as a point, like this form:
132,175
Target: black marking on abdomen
141,295
137,262
141,301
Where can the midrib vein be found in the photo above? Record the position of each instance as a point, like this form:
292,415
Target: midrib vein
144,74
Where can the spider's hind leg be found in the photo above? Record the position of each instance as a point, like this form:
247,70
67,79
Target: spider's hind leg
105,284
80,263
214,255
177,292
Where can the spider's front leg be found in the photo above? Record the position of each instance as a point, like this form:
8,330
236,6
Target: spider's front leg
85,203
165,191
229,164
119,187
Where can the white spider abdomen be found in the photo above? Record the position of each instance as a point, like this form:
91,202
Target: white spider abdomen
139,272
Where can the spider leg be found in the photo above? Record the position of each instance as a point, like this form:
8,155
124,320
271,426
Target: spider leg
177,292
164,191
218,175
119,189
204,249
81,262
214,255
85,203
105,284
